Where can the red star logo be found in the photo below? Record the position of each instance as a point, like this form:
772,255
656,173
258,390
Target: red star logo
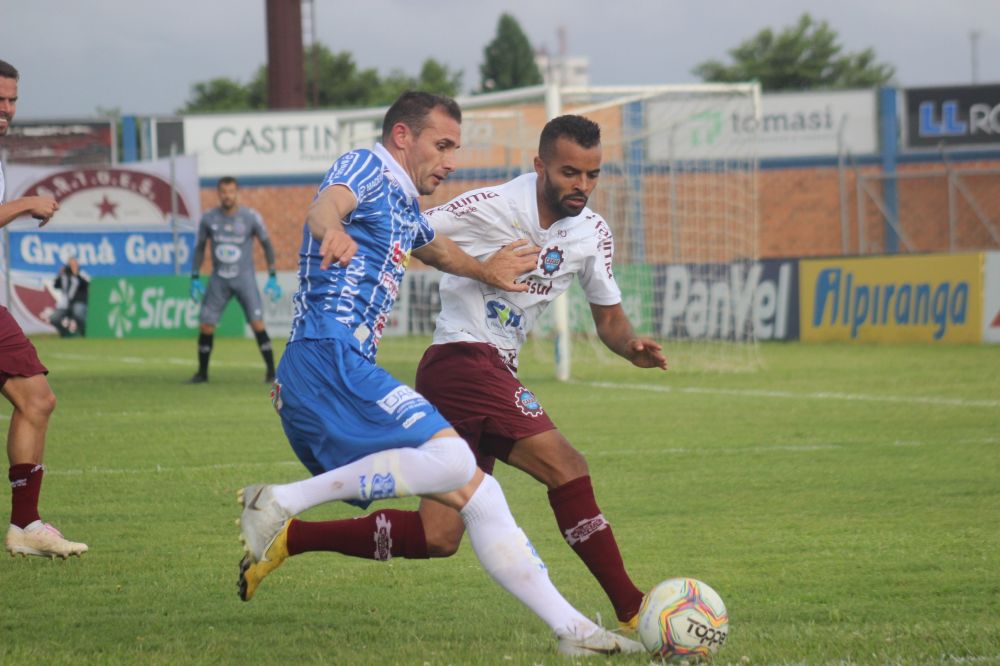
106,208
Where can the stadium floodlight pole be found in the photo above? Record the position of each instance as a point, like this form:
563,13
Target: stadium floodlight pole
560,306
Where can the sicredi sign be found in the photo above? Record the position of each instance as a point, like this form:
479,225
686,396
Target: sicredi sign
952,115
790,125
263,143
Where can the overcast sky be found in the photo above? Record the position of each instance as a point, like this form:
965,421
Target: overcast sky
142,57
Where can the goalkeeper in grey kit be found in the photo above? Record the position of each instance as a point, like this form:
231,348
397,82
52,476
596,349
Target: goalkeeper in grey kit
231,229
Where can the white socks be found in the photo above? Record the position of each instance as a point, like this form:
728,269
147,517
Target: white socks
441,465
508,556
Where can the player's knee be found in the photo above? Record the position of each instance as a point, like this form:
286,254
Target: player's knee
459,465
40,404
574,465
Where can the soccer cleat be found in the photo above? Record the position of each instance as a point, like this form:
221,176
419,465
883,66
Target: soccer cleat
599,642
197,378
261,520
42,540
629,626
252,573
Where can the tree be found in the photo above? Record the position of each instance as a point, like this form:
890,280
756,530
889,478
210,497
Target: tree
220,94
434,78
800,57
333,80
509,61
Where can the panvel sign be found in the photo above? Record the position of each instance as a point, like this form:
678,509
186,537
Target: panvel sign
727,301
928,298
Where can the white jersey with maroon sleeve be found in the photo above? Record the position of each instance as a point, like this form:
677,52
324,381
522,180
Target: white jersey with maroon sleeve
484,220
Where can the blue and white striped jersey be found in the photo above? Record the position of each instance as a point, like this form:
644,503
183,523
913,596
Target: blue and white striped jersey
387,225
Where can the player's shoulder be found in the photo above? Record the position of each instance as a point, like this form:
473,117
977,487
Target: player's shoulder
359,158
210,215
479,200
252,213
591,224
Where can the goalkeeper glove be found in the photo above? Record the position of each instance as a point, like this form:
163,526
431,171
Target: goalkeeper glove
197,288
272,289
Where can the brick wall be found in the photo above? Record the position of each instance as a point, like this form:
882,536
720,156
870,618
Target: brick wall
800,212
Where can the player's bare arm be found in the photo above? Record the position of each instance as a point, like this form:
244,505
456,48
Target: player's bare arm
40,208
501,269
616,332
324,220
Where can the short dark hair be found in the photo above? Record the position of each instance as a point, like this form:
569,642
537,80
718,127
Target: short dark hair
581,131
226,180
8,71
412,109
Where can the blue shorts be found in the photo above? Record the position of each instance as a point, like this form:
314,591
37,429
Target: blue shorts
336,406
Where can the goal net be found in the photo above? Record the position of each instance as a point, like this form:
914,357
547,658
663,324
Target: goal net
678,187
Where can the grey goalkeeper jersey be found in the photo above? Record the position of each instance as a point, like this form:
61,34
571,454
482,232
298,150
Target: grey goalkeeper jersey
232,242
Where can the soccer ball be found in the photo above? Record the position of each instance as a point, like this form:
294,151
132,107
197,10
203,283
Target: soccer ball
683,618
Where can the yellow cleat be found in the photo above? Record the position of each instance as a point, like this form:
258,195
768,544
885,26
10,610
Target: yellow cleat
253,572
630,626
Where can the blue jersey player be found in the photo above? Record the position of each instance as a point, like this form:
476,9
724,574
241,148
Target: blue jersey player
362,434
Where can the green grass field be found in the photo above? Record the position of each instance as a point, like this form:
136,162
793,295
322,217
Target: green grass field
844,501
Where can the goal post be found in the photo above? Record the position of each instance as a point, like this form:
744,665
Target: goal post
678,188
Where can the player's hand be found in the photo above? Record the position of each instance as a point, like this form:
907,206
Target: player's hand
272,289
645,353
511,262
197,289
42,209
337,246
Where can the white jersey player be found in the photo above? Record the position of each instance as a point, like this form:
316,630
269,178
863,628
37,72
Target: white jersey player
483,220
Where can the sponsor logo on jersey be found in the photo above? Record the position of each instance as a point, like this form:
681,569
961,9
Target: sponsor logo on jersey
605,244
228,254
455,205
413,419
400,257
276,396
539,287
552,260
585,528
527,402
400,399
383,538
379,328
503,317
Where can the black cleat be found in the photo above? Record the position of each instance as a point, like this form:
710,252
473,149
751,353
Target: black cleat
197,378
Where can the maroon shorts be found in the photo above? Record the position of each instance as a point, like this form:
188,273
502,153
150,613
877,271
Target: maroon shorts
18,357
481,398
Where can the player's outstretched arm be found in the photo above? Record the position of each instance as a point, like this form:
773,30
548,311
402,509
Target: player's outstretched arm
40,208
615,331
324,221
502,269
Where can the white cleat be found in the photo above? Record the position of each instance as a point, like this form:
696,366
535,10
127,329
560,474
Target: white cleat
261,520
41,540
599,642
